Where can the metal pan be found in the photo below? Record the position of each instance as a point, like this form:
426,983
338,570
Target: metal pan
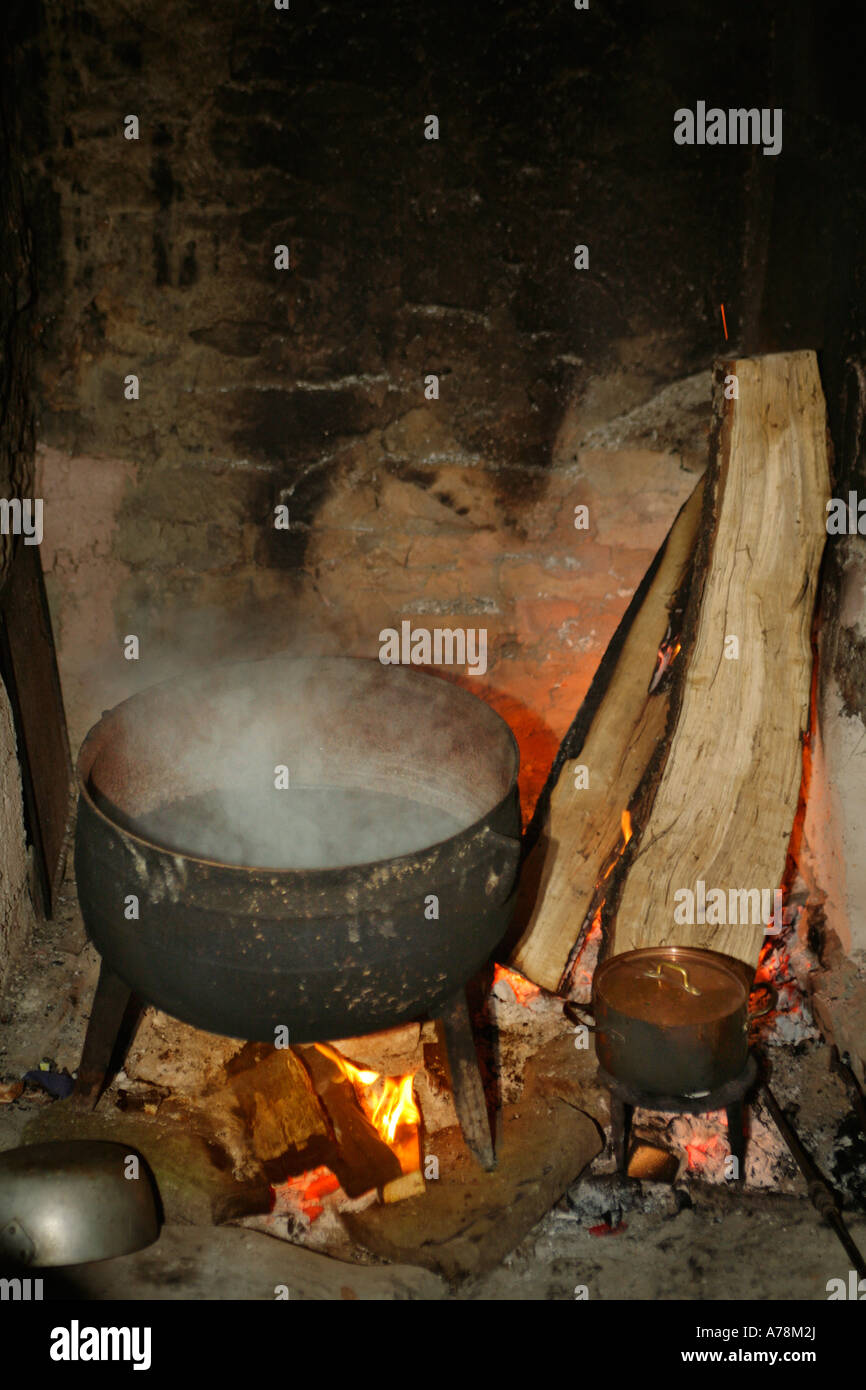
73,1202
673,1020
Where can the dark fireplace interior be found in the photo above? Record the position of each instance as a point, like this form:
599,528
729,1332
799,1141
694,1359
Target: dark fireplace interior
401,338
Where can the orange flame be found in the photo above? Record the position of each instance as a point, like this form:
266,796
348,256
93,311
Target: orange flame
395,1107
390,1108
666,655
349,1070
625,825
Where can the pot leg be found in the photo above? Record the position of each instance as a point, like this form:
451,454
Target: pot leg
620,1129
113,1003
736,1135
470,1102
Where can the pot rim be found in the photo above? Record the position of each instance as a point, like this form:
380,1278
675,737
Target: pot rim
734,969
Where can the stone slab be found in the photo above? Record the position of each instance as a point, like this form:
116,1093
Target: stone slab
229,1263
469,1220
193,1174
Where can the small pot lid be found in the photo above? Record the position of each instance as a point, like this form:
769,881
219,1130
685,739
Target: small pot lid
673,986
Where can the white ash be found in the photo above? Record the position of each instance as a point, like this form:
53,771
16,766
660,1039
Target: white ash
543,1008
787,963
605,1197
313,1223
581,966
701,1144
523,1029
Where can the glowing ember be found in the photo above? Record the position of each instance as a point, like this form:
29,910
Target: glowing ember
667,653
582,968
605,1229
309,1188
703,1152
774,964
523,990
786,964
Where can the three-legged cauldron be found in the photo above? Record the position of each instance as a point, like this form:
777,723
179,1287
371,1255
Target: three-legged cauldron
244,949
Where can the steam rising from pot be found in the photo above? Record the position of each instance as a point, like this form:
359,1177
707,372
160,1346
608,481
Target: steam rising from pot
296,827
313,763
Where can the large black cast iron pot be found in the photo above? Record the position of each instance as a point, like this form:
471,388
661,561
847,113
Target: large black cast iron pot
328,953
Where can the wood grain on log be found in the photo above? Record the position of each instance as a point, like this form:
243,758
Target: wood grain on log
285,1120
722,808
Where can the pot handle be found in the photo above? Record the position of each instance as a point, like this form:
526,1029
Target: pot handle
572,1013
504,872
669,965
774,999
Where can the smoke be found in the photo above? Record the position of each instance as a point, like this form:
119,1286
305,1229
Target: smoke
297,827
175,639
300,763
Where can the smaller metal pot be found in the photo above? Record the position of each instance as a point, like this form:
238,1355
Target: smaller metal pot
673,1020
70,1202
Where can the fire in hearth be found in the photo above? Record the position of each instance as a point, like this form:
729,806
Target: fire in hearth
389,1104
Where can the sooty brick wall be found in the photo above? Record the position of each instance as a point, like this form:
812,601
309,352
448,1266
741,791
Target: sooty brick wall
408,257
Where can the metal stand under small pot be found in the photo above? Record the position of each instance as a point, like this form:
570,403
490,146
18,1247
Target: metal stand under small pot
731,1097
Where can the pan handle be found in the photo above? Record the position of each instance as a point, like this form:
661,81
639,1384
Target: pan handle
573,1011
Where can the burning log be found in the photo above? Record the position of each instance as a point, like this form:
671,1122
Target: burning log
308,1109
288,1129
381,1150
695,720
